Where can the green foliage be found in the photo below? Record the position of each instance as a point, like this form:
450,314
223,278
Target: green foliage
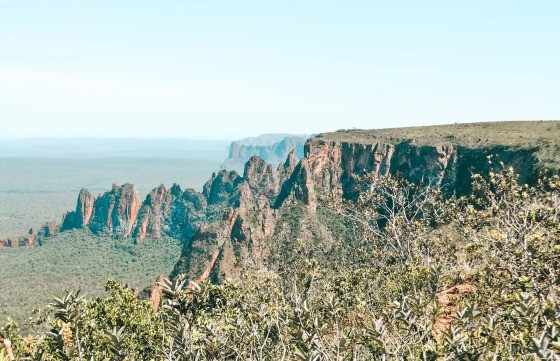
424,278
78,260
540,137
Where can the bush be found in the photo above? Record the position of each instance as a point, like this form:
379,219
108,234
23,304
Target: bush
435,279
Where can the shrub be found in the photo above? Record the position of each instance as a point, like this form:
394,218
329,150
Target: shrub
473,278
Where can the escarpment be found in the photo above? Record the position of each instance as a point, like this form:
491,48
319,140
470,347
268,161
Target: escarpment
332,167
265,196
240,153
241,222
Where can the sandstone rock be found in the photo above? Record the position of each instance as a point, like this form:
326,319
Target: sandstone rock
25,241
151,214
84,208
300,186
261,177
209,254
197,255
115,212
153,292
329,167
173,212
225,228
220,187
286,169
82,215
332,167
447,301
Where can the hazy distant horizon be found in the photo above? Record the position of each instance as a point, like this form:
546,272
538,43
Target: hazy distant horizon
82,147
230,139
55,138
227,70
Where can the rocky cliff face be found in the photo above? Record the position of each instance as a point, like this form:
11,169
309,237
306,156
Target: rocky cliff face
113,213
221,186
120,212
84,210
265,196
169,211
332,166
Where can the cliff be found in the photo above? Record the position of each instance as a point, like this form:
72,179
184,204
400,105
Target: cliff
331,166
276,206
112,213
269,139
120,212
173,212
249,221
241,151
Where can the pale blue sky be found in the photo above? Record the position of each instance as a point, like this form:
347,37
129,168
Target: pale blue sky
229,69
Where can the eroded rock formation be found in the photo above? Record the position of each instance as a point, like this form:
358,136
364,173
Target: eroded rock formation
169,211
112,213
329,167
49,229
227,227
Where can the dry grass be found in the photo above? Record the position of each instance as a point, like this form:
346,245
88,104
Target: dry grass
544,136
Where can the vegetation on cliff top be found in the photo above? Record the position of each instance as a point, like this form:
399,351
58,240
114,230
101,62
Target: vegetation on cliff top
423,278
542,135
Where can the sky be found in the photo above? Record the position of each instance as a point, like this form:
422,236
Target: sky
231,69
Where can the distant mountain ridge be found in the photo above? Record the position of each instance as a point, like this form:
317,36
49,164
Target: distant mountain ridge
268,139
273,148
112,147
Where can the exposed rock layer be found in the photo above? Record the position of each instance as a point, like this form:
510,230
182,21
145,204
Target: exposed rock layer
228,226
113,213
239,242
